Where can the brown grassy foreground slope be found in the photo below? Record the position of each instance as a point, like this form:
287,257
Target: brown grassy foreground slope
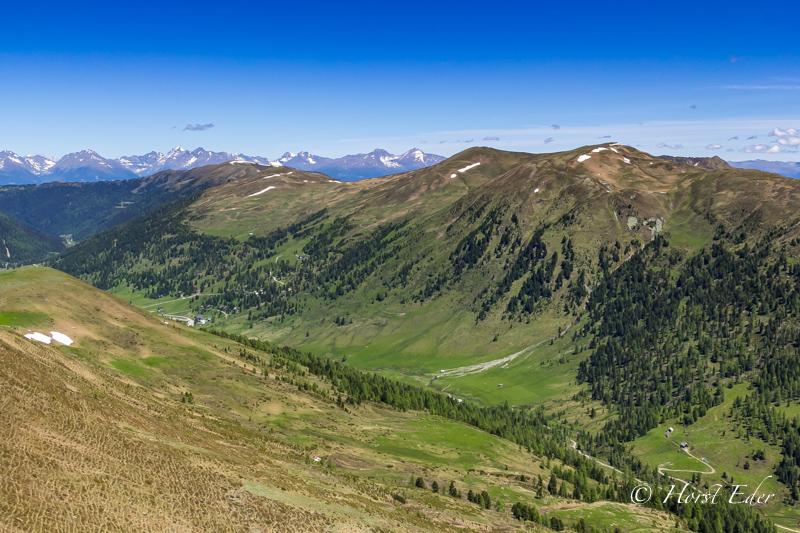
82,451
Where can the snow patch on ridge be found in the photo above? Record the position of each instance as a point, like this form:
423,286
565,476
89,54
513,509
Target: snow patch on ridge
473,165
584,157
261,192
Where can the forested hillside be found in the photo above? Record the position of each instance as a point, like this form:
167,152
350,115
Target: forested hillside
669,340
22,244
80,210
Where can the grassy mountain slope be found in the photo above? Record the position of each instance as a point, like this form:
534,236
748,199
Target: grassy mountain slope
150,426
424,272
21,244
619,290
79,210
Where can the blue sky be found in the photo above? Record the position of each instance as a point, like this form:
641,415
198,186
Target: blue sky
271,77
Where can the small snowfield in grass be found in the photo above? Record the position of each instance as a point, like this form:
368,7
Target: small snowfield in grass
60,337
596,150
261,192
584,157
36,336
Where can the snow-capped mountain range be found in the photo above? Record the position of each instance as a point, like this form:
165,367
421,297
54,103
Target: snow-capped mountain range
88,165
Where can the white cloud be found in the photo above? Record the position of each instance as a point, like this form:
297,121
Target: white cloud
761,149
670,146
713,147
789,141
777,132
198,127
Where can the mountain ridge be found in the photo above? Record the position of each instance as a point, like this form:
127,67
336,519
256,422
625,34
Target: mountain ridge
448,217
89,166
78,210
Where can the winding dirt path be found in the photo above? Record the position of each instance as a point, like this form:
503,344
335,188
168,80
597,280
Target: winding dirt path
661,468
784,527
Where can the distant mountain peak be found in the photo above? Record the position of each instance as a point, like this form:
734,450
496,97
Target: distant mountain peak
88,165
708,163
790,169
